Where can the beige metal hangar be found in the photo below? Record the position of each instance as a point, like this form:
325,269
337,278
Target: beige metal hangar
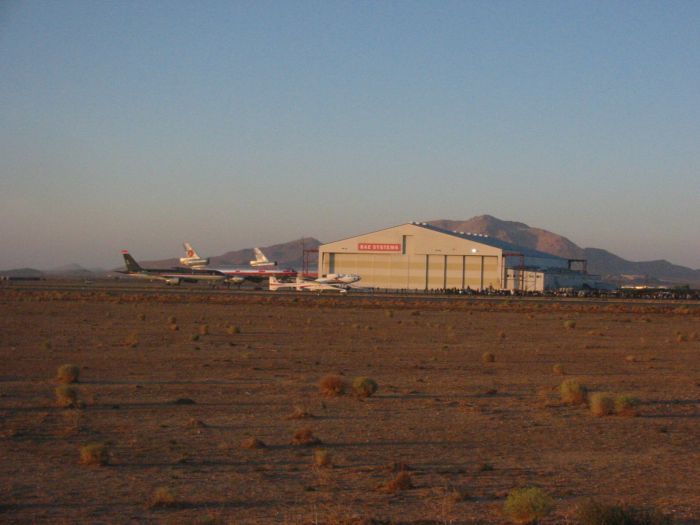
420,256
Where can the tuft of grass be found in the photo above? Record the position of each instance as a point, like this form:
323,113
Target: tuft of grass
572,392
231,330
203,329
626,405
300,413
488,357
252,443
67,396
68,374
364,386
402,481
569,324
322,458
527,505
602,404
172,319
174,327
305,437
162,497
558,369
593,512
94,454
332,385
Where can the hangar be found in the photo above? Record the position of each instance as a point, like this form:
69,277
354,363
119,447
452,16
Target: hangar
420,256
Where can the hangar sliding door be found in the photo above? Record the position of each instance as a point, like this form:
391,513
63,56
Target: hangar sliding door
453,271
473,270
491,274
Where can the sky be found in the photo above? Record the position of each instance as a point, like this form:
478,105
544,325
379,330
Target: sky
139,125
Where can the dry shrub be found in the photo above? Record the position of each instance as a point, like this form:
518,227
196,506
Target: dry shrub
174,327
252,443
602,404
67,396
305,437
132,340
558,369
593,512
572,392
332,385
47,345
141,317
172,319
322,458
163,497
204,329
527,505
402,481
231,330
94,454
364,386
569,324
68,374
626,405
681,338
488,357
300,413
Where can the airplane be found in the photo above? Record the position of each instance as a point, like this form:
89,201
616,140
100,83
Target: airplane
305,285
237,274
261,259
339,278
173,276
193,259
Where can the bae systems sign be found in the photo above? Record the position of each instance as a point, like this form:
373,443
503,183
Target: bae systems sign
378,247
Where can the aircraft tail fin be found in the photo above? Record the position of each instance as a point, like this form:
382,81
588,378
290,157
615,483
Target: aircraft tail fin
274,283
190,252
131,264
261,259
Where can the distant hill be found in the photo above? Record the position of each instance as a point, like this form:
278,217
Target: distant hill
610,266
22,273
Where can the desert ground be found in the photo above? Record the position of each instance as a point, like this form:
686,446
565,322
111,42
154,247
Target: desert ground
175,385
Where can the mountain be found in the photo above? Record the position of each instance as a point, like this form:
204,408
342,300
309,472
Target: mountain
287,255
601,262
22,273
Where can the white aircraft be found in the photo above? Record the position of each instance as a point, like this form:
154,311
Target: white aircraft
304,285
261,259
339,278
192,259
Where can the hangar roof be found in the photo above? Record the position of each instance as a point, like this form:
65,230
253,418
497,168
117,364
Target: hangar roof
490,241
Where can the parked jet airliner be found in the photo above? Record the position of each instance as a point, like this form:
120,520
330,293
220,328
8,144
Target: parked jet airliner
169,276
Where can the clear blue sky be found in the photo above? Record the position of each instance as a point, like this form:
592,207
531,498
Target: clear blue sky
139,125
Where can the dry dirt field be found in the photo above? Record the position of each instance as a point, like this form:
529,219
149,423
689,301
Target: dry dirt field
174,404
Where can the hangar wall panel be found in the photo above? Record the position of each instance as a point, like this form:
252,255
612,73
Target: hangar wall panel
417,271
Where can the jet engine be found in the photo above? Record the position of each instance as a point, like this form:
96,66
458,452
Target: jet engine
172,281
